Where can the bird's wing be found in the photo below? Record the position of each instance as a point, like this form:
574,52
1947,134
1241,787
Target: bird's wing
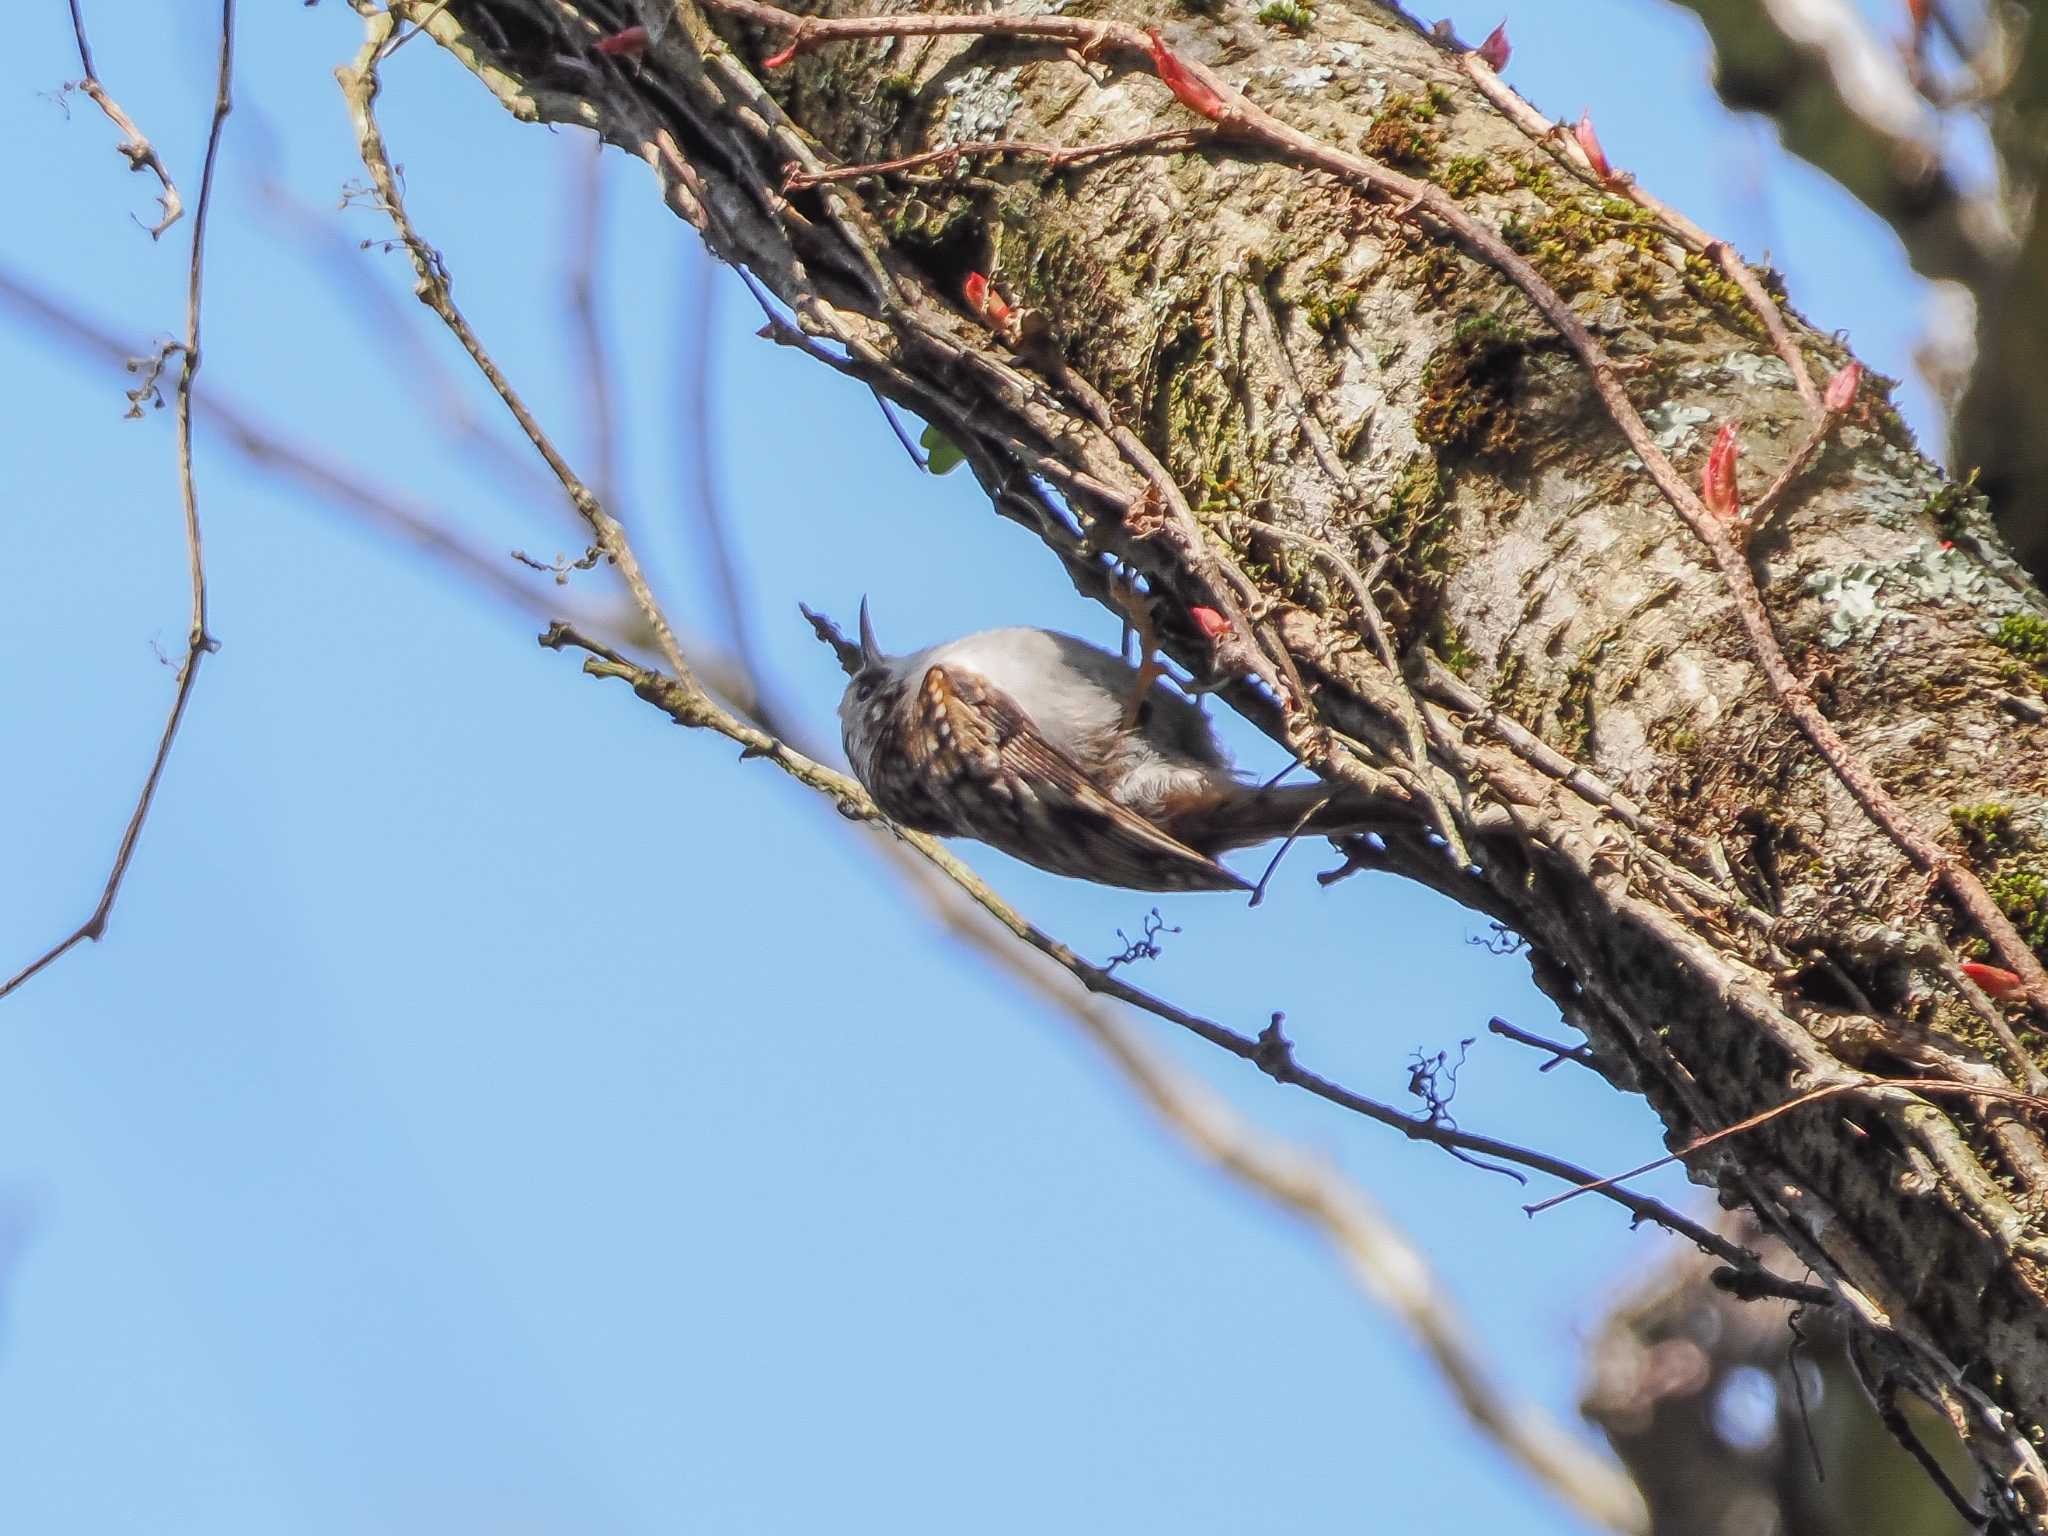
1013,788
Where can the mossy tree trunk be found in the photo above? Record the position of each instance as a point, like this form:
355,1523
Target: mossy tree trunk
1701,895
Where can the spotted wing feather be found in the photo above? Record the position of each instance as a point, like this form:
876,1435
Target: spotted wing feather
1009,786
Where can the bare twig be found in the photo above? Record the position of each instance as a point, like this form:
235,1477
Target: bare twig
359,86
796,178
1559,1052
198,641
1412,717
135,148
1385,1264
1773,499
691,708
1886,1086
1773,322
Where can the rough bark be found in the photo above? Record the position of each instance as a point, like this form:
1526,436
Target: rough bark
1341,393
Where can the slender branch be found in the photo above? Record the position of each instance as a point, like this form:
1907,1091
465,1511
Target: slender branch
1772,501
1886,1085
359,85
1773,322
1559,1052
1386,1265
1267,1052
140,154
198,642
1390,1269
796,179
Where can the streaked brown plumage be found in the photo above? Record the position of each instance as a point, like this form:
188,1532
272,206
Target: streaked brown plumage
1017,737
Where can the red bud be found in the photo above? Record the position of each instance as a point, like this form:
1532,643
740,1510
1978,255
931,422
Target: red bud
1494,51
2000,983
1589,141
1841,391
1209,621
1196,95
629,43
777,60
985,301
1717,479
1922,12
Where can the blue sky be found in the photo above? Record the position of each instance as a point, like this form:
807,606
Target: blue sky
493,1109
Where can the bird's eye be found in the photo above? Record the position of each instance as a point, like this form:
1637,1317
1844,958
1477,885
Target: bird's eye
864,689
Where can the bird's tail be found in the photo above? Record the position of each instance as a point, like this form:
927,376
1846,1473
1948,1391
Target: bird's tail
1253,815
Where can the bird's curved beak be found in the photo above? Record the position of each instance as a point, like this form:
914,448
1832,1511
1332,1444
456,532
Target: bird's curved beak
870,652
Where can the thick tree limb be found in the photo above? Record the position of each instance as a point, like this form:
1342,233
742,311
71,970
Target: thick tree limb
1696,974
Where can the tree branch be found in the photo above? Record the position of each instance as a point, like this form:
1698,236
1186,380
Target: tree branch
198,642
1268,1053
140,154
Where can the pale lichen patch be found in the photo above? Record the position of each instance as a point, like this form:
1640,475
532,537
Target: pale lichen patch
980,103
1673,425
1930,575
1752,368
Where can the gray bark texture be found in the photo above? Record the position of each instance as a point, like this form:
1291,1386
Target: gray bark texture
1353,406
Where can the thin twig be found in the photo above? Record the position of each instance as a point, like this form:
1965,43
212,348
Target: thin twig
1559,1052
1774,496
140,154
1930,1085
359,86
1383,1261
1881,1387
796,179
1413,719
1774,324
896,426
692,708
198,641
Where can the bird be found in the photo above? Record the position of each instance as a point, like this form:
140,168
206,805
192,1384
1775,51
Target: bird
1023,738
